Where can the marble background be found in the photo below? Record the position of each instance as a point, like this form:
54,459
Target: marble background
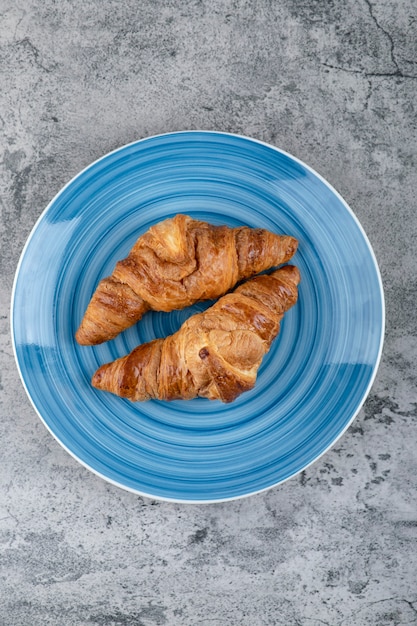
332,82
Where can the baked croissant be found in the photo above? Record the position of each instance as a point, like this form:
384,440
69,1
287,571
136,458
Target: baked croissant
173,265
215,354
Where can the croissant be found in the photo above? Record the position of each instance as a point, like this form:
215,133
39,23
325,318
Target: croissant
215,354
173,265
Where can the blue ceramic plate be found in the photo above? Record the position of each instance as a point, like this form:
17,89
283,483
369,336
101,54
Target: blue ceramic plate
311,384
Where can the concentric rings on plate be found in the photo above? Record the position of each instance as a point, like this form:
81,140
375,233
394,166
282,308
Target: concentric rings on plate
311,384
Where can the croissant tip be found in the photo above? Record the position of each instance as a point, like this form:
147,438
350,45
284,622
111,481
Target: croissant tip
292,247
85,337
97,379
291,271
81,338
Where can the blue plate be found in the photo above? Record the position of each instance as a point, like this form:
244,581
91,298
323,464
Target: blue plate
311,384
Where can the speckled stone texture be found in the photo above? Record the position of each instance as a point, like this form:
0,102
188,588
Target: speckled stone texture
334,83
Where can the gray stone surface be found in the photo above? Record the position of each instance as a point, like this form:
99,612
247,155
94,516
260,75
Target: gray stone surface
334,83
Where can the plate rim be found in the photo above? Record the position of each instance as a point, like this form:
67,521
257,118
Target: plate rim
375,365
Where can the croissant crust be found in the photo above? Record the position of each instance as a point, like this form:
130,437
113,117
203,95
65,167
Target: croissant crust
173,265
215,354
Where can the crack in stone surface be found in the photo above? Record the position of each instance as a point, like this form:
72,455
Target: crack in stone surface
398,73
27,43
386,33
368,95
369,604
19,22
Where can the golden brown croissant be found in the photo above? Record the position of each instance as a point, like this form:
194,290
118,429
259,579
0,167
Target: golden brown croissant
173,265
215,354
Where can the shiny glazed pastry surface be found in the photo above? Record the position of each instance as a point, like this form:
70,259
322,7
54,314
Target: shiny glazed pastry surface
215,354
173,265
